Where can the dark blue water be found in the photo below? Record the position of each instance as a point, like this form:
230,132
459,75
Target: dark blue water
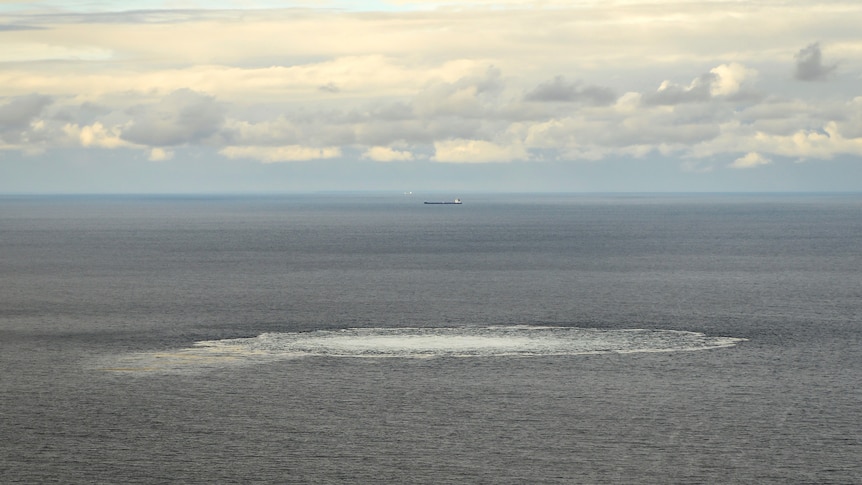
362,339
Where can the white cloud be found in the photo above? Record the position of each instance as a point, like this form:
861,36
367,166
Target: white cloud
365,76
750,160
669,93
824,143
160,155
273,154
476,151
730,78
277,131
30,51
95,135
386,154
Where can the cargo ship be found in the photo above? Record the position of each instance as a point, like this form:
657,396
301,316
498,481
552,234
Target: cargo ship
456,201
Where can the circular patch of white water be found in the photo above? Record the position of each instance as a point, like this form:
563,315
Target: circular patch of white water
499,341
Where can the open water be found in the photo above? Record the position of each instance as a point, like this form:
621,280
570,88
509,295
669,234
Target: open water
375,339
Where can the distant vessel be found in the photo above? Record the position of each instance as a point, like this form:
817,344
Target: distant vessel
456,201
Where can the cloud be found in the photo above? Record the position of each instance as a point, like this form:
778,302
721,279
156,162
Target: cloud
17,112
731,81
809,64
160,155
269,132
560,90
9,28
273,154
670,93
822,143
735,81
95,135
750,160
850,125
473,84
476,151
184,116
470,96
386,154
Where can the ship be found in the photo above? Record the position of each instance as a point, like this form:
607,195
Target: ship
456,201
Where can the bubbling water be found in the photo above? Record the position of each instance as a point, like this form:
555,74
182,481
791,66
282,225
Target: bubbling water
411,343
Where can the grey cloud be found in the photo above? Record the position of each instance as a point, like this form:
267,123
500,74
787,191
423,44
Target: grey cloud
86,113
469,97
329,88
386,132
851,129
491,83
183,116
671,94
143,16
850,124
20,110
560,90
809,64
746,96
657,133
11,27
444,110
394,112
649,131
17,114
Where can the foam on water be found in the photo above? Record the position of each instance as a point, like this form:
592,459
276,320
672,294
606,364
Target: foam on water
498,341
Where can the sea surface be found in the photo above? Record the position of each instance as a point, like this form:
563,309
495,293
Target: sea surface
343,338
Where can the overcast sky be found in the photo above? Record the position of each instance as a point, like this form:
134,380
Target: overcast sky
421,95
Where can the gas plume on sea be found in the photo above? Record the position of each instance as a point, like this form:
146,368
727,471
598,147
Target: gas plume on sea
412,343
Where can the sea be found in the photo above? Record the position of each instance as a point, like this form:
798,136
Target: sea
370,338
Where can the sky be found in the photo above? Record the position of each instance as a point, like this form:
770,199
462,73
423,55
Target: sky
236,96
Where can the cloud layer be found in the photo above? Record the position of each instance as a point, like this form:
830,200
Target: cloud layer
709,84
